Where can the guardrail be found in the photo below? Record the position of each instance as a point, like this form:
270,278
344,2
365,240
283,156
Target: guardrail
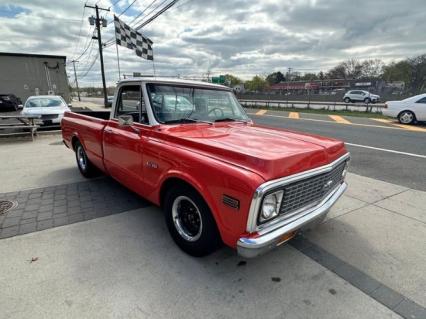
331,106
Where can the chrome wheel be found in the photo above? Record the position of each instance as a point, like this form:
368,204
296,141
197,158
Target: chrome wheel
406,117
187,218
81,158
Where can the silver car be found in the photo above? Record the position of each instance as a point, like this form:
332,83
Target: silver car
360,96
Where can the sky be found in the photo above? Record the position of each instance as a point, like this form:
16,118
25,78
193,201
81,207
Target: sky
199,37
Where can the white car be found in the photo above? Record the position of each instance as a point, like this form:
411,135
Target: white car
50,108
360,96
407,111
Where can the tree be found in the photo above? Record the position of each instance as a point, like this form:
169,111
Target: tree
353,69
275,77
418,74
372,69
309,77
411,71
338,72
256,84
397,71
232,80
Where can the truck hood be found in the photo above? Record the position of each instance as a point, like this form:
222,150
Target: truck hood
271,153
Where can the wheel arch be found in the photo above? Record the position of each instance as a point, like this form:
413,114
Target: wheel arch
178,179
74,141
173,181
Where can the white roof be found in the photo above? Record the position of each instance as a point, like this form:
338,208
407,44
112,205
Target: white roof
43,96
175,81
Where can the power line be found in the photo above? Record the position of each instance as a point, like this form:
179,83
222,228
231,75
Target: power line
143,11
128,7
159,12
87,47
111,40
115,3
153,10
90,67
182,4
155,16
79,32
87,58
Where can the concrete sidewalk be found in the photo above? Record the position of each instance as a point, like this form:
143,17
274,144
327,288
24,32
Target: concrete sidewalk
126,266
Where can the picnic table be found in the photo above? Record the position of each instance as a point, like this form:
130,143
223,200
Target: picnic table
25,124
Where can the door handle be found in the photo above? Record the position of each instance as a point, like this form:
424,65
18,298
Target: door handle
108,130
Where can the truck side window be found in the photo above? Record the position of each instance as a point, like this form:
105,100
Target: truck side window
130,102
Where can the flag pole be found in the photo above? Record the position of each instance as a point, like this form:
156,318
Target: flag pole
118,61
153,63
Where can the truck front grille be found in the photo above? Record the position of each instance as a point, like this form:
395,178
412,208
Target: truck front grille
310,191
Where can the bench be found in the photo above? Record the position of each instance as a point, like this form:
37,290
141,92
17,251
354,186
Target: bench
23,126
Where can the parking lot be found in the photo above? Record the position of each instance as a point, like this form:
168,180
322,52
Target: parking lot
92,249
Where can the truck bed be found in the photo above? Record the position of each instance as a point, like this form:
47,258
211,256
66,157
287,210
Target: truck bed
98,114
88,128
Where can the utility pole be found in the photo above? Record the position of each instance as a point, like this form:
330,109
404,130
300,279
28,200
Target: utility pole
97,21
288,82
76,81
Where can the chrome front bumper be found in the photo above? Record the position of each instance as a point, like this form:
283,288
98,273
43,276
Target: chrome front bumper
251,247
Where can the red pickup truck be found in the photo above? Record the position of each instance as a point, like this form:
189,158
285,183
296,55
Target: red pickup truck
190,148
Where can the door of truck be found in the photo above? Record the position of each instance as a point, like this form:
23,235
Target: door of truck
123,144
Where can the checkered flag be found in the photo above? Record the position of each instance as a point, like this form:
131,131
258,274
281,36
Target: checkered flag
132,39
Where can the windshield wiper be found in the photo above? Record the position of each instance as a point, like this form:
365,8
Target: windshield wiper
187,120
226,119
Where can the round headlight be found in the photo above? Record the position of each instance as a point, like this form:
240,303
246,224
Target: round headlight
271,206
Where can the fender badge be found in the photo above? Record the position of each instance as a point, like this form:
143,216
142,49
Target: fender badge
151,164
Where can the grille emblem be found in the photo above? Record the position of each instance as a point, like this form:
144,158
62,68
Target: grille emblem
328,184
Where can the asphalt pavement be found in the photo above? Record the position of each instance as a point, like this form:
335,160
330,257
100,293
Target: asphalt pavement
379,149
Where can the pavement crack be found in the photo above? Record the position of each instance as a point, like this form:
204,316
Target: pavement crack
396,213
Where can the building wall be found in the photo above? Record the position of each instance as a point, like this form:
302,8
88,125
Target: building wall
25,75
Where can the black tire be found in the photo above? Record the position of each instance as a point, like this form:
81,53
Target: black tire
347,100
367,100
87,169
200,241
406,117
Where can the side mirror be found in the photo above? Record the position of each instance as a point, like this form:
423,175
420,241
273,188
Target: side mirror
125,120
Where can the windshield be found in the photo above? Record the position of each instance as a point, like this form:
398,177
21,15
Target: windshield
173,104
45,102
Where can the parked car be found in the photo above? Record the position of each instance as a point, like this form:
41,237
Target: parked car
407,111
51,108
218,177
109,100
9,102
172,102
360,96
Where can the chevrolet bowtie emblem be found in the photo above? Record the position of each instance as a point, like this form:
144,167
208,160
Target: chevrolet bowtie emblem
328,184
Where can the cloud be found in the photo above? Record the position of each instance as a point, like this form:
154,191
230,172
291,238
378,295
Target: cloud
243,37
